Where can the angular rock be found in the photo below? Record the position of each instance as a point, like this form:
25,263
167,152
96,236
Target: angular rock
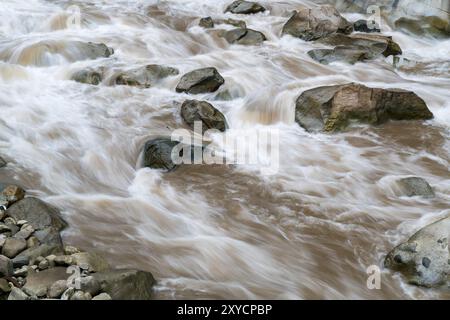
80,295
334,108
126,284
145,77
21,272
12,247
318,22
38,283
200,81
11,194
25,232
6,267
366,26
64,260
102,296
245,7
56,290
204,112
247,37
424,258
415,186
44,264
88,76
158,154
29,255
17,294
206,23
349,54
39,214
89,285
93,50
375,44
32,242
91,261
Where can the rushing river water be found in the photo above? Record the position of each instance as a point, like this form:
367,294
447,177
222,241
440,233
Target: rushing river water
309,231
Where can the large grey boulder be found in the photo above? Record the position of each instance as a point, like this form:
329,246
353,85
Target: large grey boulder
349,54
334,108
126,284
157,154
202,111
424,258
247,37
144,77
375,44
415,186
318,22
200,81
245,7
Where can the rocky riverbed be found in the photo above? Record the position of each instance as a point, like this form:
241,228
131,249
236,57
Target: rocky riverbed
92,204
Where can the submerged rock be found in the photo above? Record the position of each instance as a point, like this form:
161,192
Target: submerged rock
245,37
158,154
126,284
415,186
201,81
88,76
145,77
245,7
334,108
318,22
376,44
204,112
349,54
366,26
206,23
424,258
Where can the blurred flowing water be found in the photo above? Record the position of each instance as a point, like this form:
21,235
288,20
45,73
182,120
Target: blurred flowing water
310,231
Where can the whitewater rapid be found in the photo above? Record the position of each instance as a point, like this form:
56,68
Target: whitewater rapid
310,231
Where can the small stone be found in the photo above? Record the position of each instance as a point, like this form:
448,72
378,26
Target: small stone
68,294
64,260
57,289
6,266
21,272
32,242
80,295
69,250
102,296
4,287
426,262
13,194
25,232
10,221
44,264
13,247
17,294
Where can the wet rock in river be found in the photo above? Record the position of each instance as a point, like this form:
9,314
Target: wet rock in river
318,22
144,77
2,163
245,37
11,194
349,54
245,7
88,76
366,26
334,108
424,258
204,112
158,154
415,186
206,23
201,81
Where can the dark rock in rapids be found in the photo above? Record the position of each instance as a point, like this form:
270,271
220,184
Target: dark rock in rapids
334,108
200,81
245,37
158,154
145,77
245,7
204,112
206,23
366,26
415,186
424,258
88,76
349,54
312,24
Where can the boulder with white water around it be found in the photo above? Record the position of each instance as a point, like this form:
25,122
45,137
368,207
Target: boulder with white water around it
204,112
334,108
366,26
312,24
375,44
206,23
424,259
88,76
245,37
126,284
349,54
200,81
144,77
157,154
245,7
415,187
